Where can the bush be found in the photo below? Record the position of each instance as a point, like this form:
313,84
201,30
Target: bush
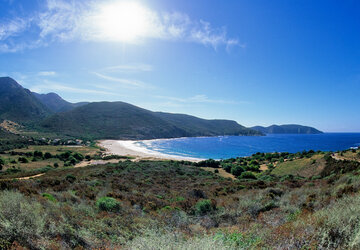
237,170
47,155
21,220
108,204
70,178
78,156
203,207
227,167
247,175
50,197
38,154
23,160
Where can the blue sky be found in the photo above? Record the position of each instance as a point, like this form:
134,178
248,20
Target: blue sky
256,62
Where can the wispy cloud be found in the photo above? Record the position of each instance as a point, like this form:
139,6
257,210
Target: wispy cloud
130,68
50,86
70,20
199,99
12,28
123,81
47,73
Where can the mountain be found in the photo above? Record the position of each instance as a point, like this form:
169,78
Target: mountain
55,103
287,129
119,120
18,104
195,126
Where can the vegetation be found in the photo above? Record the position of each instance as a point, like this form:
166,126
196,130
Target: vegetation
178,205
119,120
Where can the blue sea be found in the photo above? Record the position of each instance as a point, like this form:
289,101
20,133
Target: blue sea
223,147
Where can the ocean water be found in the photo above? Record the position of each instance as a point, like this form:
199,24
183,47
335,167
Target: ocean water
223,147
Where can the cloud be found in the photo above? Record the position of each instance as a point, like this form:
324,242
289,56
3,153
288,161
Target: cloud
66,21
55,86
125,82
129,68
199,99
47,73
12,28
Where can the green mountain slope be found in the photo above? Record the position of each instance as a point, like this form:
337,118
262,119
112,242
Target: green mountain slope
287,129
18,104
119,120
55,103
195,126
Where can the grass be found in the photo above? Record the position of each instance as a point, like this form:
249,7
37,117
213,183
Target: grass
305,167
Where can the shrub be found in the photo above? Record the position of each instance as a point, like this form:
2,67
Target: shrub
78,156
56,165
237,170
23,160
47,155
70,178
203,207
227,167
38,154
108,204
50,197
339,224
247,175
21,220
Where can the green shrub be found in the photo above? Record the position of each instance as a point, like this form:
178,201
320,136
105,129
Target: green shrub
237,170
50,197
203,207
70,178
23,160
237,240
78,156
247,175
38,154
108,204
47,155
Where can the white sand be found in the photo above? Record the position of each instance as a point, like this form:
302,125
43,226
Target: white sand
129,148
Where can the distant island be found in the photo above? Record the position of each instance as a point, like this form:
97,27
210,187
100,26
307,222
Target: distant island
287,129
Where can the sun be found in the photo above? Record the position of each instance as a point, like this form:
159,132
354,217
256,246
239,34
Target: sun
122,21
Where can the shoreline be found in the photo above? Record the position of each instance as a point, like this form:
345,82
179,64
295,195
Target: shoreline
127,148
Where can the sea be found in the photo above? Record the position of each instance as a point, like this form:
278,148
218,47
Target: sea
223,147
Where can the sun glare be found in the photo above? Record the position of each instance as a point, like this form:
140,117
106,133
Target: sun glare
122,21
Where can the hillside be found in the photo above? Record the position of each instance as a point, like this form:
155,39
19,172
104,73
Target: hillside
119,120
287,129
55,103
195,126
18,104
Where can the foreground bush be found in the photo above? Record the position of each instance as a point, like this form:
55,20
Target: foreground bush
108,204
20,219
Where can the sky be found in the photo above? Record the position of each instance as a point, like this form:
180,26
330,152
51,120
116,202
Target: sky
258,62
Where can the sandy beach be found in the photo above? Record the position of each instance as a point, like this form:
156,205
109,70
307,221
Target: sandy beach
127,148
